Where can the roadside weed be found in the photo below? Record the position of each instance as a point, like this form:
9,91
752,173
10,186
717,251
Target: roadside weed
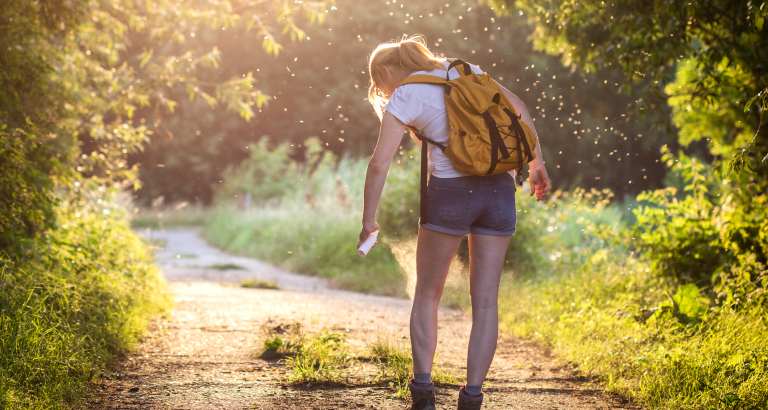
225,266
316,358
395,364
256,283
319,358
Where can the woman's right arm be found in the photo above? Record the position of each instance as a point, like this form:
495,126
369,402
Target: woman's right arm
390,136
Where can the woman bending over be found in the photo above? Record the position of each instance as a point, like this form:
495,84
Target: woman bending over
458,204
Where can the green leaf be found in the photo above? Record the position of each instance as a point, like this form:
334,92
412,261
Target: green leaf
730,399
687,300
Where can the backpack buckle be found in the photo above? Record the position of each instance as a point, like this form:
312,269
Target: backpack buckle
489,119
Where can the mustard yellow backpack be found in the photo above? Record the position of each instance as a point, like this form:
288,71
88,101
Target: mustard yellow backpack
486,134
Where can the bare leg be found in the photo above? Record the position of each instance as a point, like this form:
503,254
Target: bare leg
434,253
486,258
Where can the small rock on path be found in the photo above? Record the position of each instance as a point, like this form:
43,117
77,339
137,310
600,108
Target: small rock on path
202,355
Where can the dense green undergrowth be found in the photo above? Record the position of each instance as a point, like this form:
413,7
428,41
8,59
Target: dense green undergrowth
70,305
667,307
616,321
670,311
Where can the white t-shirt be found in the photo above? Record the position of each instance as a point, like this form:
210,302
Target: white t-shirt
422,106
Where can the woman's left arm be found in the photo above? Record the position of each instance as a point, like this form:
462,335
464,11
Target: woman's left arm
539,179
390,136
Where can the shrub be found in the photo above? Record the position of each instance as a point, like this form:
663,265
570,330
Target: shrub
70,306
696,234
633,320
27,201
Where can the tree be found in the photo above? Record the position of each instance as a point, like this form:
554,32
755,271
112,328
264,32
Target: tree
708,61
707,58
72,84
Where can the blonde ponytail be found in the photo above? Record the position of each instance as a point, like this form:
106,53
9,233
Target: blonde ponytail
411,53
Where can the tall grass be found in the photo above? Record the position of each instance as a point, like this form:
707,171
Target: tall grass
71,305
614,318
604,308
312,228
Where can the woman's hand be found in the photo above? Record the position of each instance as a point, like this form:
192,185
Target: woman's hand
539,182
366,232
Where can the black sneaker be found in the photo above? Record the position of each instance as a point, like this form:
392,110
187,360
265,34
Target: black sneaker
469,402
422,398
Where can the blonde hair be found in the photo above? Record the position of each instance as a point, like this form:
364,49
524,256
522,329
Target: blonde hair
410,53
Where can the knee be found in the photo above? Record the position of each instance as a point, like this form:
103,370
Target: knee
485,300
428,294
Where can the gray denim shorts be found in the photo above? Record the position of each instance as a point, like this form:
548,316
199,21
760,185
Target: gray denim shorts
483,205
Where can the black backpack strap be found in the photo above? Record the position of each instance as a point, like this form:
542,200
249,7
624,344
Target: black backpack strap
517,130
423,193
424,138
497,143
521,134
455,63
424,171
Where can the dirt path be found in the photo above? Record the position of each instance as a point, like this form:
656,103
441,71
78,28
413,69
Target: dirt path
201,357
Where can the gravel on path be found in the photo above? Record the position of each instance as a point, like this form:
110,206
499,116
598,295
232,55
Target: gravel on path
203,355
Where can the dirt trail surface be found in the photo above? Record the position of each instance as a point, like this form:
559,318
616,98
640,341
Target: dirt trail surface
202,355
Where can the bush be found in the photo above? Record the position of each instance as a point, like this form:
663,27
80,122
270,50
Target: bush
398,212
632,319
27,201
551,235
614,318
696,234
70,306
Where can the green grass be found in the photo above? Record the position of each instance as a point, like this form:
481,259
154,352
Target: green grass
320,358
395,363
304,239
604,309
324,357
225,266
170,217
256,283
593,317
71,307
312,225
